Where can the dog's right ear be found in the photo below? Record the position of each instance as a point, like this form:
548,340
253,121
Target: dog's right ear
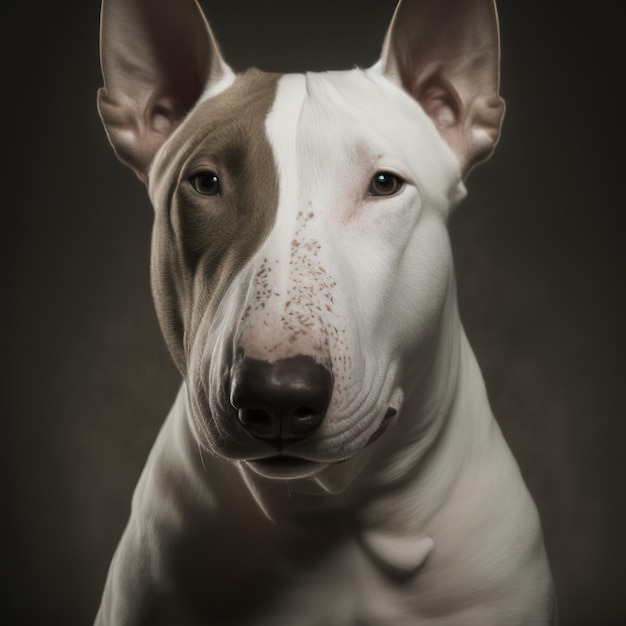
158,58
446,54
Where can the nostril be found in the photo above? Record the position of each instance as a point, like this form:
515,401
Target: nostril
258,422
305,420
304,413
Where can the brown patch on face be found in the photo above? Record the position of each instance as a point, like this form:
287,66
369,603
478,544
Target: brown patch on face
199,241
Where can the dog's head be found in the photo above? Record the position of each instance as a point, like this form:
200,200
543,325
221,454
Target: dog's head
300,250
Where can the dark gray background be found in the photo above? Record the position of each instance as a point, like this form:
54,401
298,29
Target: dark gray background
87,379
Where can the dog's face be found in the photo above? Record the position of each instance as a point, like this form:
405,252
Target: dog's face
300,251
298,224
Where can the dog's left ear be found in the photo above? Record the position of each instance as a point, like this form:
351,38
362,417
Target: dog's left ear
158,58
446,54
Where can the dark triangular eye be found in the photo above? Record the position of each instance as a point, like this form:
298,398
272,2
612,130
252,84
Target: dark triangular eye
385,184
206,183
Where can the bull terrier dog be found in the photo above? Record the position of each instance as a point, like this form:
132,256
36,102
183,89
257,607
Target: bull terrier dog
331,458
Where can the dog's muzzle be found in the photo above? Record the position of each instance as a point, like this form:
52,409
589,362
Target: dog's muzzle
281,402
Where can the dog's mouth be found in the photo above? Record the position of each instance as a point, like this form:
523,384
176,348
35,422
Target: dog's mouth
285,467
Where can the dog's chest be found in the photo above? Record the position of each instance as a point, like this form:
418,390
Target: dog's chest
341,586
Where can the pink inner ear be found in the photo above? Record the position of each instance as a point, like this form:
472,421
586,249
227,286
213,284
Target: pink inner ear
440,101
164,115
161,123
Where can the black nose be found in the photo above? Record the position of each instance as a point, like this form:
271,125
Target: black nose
285,400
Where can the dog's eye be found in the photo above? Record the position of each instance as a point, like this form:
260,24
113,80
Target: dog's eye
385,184
206,183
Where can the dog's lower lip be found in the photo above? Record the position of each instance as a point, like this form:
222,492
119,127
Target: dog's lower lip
285,467
282,460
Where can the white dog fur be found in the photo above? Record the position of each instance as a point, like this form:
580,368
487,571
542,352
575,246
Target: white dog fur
302,220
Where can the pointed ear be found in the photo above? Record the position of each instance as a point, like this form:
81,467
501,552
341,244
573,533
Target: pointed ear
446,54
158,57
